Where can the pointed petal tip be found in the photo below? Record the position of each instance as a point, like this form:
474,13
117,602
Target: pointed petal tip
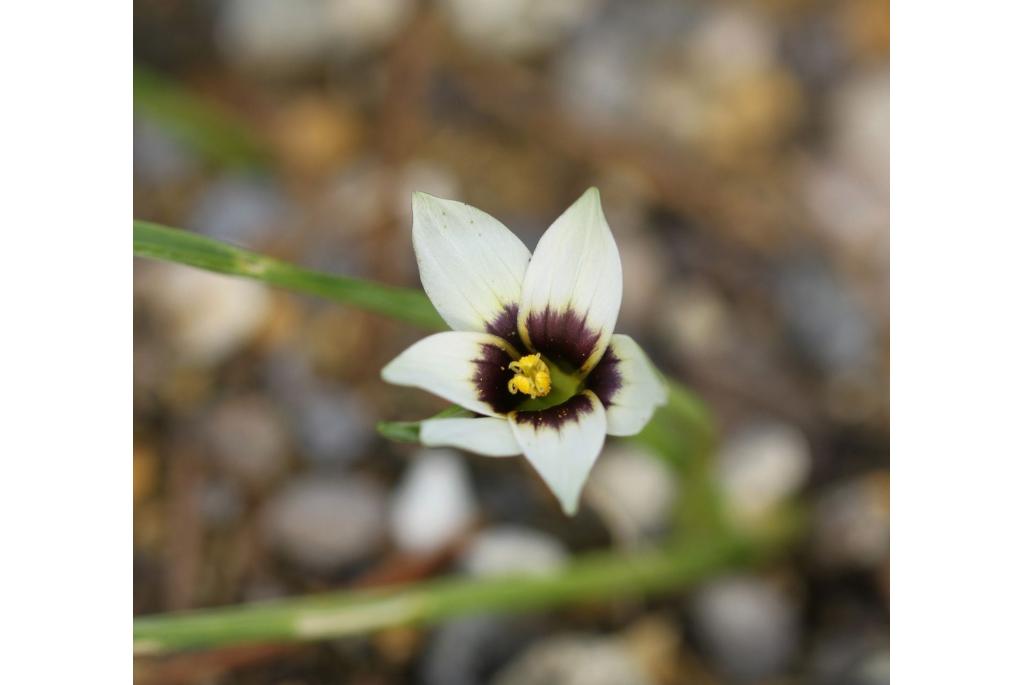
591,196
387,373
421,200
663,400
570,508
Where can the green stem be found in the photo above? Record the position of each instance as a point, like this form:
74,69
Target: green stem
174,245
333,615
211,131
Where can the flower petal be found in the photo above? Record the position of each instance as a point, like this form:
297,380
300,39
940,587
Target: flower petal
486,436
469,369
471,266
628,386
562,444
573,287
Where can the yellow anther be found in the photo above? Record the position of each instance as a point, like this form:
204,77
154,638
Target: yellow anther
532,377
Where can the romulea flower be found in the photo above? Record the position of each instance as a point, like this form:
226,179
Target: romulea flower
532,351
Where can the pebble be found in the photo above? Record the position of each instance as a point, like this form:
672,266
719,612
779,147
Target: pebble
466,650
243,210
272,37
322,523
695,320
331,423
851,523
823,318
249,440
206,317
573,660
760,465
633,492
749,628
157,158
333,426
847,209
513,550
359,26
433,504
731,43
814,50
516,28
355,196
859,127
602,73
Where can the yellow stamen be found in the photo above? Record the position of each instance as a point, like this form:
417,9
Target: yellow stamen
532,377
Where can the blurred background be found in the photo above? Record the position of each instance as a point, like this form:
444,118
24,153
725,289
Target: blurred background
742,152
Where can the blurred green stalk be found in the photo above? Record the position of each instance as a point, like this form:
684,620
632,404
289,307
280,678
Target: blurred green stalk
174,245
330,615
211,131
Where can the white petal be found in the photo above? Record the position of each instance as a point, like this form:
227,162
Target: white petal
471,266
486,436
573,287
562,444
628,385
469,369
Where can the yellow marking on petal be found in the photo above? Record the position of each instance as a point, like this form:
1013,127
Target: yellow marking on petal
532,377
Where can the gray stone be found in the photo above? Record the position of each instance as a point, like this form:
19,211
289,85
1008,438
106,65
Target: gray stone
159,159
205,317
634,493
359,26
761,464
271,37
695,319
573,660
859,119
851,523
513,550
824,318
749,627
240,209
464,651
516,28
324,523
248,439
332,424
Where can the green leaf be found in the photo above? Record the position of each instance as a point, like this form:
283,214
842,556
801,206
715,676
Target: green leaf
409,431
209,130
174,245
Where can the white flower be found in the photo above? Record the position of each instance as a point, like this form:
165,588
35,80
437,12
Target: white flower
532,351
